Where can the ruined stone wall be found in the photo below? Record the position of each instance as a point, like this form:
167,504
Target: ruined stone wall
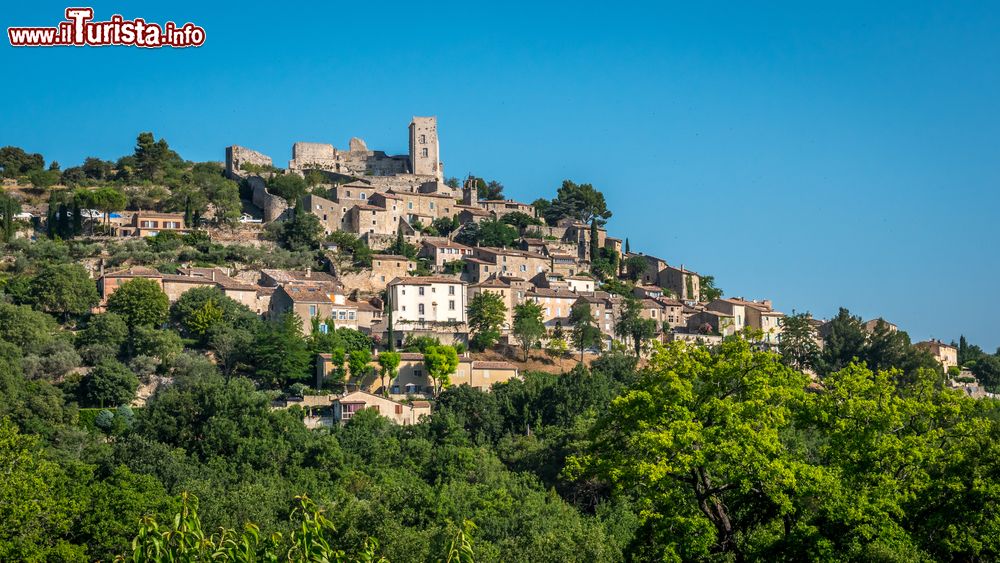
237,156
274,207
358,161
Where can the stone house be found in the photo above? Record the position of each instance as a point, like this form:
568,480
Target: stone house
605,308
581,284
440,251
149,223
419,301
512,262
710,321
735,308
945,354
318,301
556,305
500,207
346,406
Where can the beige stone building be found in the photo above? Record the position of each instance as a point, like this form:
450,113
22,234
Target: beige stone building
427,300
581,284
346,406
605,308
945,354
513,262
556,305
711,321
319,302
735,308
440,251
149,223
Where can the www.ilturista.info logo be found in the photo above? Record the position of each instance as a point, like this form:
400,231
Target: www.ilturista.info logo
78,30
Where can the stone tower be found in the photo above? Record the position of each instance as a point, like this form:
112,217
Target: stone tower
425,157
470,193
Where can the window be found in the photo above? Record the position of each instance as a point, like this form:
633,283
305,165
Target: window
420,290
342,315
348,194
420,309
350,315
363,196
432,205
409,205
399,409
451,304
524,268
312,310
451,290
423,153
423,139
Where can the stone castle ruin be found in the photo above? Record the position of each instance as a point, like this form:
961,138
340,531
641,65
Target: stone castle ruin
423,163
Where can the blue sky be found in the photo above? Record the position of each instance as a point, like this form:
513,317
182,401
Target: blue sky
818,155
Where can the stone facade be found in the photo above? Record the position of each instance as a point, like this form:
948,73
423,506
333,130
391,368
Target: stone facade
425,153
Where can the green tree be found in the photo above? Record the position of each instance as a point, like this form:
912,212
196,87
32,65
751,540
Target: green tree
635,266
302,231
799,346
106,200
529,328
389,364
140,302
631,326
9,207
843,343
488,233
359,362
35,513
232,314
281,355
291,187
15,162
520,220
581,202
708,290
441,363
108,384
487,314
204,319
696,433
585,333
103,329
152,157
63,289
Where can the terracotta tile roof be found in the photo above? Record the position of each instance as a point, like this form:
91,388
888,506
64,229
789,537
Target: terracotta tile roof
309,293
134,272
287,276
396,257
493,365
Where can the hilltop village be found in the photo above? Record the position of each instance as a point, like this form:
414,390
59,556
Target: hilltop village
360,357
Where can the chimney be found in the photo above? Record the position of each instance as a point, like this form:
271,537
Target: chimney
213,274
309,272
